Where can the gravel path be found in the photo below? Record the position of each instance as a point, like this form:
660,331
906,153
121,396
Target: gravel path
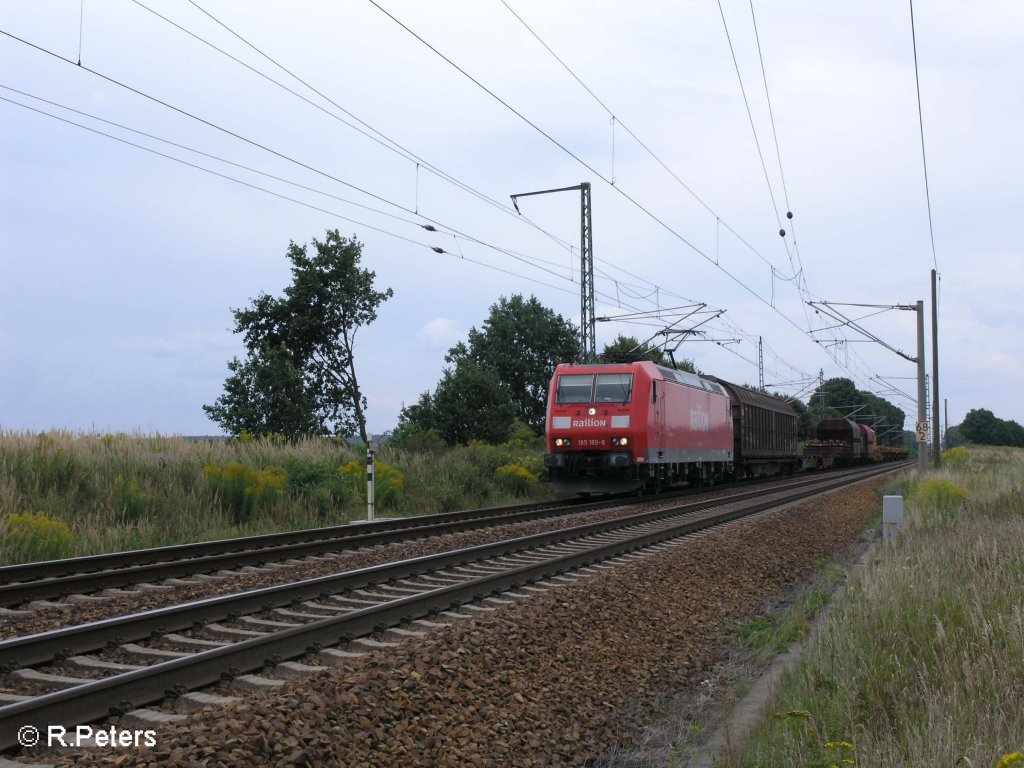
556,680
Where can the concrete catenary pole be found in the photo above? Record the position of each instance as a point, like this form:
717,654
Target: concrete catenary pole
922,390
936,434
945,420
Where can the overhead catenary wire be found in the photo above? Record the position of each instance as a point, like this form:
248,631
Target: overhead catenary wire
218,158
799,275
618,188
387,141
260,146
384,140
791,223
407,153
208,170
920,122
515,254
618,120
288,198
237,136
750,116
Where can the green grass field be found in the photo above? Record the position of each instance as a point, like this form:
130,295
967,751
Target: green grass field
921,662
64,494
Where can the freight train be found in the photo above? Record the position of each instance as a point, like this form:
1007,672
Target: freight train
844,443
614,428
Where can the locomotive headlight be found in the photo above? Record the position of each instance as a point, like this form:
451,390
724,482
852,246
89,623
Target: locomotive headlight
620,441
563,442
592,411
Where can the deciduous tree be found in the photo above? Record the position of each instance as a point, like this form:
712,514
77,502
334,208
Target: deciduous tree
499,374
305,339
520,343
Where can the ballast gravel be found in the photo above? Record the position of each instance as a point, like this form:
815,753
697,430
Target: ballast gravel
554,680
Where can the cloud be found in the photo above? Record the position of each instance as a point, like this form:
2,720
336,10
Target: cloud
440,332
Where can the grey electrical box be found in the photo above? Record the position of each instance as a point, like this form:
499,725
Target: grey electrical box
892,516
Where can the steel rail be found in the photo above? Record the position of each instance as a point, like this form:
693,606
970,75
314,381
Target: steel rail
23,572
82,575
205,557
62,643
93,700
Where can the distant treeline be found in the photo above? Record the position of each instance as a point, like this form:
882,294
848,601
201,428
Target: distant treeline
982,427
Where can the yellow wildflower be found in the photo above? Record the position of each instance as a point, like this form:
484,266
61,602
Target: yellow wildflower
792,713
1014,758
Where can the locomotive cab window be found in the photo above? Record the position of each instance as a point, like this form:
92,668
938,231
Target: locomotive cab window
574,388
614,388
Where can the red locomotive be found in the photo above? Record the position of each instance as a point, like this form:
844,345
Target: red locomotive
623,427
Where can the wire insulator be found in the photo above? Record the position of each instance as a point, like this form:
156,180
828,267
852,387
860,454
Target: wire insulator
782,233
435,249
789,214
429,227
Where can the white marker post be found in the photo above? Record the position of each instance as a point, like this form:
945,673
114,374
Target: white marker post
892,516
371,448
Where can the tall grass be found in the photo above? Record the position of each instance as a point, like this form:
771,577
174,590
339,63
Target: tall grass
920,663
115,492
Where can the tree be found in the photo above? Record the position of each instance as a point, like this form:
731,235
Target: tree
954,438
838,395
499,375
982,426
626,349
468,404
520,343
266,394
979,426
840,398
804,424
308,336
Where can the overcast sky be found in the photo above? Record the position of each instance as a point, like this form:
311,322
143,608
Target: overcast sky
119,267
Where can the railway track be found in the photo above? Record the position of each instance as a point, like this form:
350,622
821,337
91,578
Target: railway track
55,579
144,658
84,575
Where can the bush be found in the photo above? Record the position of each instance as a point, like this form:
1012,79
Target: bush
242,490
523,437
416,439
34,536
316,480
388,482
937,492
484,457
516,478
130,500
937,499
304,475
956,458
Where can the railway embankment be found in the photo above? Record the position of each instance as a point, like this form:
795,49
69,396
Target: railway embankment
918,663
561,678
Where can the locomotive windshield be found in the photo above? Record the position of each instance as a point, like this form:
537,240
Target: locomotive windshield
614,388
574,388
